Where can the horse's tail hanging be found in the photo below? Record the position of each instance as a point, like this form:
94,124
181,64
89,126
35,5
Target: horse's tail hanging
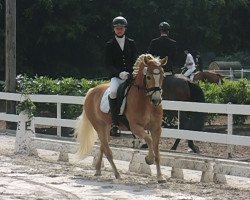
85,135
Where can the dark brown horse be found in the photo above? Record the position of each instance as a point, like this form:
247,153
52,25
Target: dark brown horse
179,88
210,77
143,112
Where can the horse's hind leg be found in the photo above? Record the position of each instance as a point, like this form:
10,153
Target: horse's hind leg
98,163
174,147
103,137
184,124
194,148
108,153
109,156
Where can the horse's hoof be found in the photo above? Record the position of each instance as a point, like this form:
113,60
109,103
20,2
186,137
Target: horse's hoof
98,174
162,181
149,161
144,146
118,176
196,149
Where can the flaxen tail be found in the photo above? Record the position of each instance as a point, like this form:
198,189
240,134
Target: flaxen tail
85,135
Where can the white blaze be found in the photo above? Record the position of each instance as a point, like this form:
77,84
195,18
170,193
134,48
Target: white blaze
157,77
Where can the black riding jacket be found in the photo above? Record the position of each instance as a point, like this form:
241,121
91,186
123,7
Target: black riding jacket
117,60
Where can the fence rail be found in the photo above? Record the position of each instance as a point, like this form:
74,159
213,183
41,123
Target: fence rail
233,74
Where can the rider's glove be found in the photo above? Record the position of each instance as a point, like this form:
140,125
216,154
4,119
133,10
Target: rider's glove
124,75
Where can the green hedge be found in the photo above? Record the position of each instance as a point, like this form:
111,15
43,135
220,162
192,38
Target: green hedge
62,86
235,92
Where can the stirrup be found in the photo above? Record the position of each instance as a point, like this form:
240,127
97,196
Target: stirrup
114,131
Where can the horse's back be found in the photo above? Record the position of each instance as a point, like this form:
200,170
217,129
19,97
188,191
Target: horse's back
93,100
175,87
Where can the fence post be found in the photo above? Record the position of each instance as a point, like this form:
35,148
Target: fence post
24,133
229,132
231,74
59,111
138,165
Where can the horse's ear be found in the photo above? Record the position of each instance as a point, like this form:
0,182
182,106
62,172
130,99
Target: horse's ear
164,61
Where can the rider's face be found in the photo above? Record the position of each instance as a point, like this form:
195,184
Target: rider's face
119,30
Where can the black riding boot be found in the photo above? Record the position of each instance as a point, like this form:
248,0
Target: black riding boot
114,116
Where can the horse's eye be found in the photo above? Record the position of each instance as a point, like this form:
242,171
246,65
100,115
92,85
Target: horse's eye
148,77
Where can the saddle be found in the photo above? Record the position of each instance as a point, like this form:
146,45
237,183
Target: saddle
121,97
191,76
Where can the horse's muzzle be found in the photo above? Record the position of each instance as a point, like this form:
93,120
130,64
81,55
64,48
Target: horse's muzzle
156,102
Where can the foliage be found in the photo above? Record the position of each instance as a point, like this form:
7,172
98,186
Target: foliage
63,86
27,106
242,57
66,38
235,92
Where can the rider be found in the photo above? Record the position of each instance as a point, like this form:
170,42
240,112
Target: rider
198,61
189,64
164,46
120,56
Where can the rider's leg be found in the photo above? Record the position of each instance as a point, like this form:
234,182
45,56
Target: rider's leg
114,110
189,72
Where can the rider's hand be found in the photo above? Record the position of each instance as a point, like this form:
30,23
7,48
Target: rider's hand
124,75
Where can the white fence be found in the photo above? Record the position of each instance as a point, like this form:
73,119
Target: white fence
228,109
233,74
209,166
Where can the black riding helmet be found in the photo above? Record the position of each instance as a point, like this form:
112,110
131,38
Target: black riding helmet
164,26
119,21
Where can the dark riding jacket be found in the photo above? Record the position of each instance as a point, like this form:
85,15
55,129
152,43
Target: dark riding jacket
164,46
117,60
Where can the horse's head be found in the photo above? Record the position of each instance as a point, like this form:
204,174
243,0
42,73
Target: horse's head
149,74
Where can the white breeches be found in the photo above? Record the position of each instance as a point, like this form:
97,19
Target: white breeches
189,71
114,84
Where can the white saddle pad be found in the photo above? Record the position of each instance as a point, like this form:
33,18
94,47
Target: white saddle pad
192,77
104,106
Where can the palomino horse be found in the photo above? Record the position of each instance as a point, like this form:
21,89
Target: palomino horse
210,77
143,112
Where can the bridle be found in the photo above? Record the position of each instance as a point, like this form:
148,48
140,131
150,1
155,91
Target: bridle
150,91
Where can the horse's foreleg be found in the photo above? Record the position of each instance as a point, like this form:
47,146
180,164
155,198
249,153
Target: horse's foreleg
156,140
142,134
150,157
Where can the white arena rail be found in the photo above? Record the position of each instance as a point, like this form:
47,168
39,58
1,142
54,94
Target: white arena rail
231,73
212,169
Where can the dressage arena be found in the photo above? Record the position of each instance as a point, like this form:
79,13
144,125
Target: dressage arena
53,171
44,177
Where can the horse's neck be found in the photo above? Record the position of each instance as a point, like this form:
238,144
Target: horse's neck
139,80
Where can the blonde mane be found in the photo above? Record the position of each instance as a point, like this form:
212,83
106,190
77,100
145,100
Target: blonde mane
140,60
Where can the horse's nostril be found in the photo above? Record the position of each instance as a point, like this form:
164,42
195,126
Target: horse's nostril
156,102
